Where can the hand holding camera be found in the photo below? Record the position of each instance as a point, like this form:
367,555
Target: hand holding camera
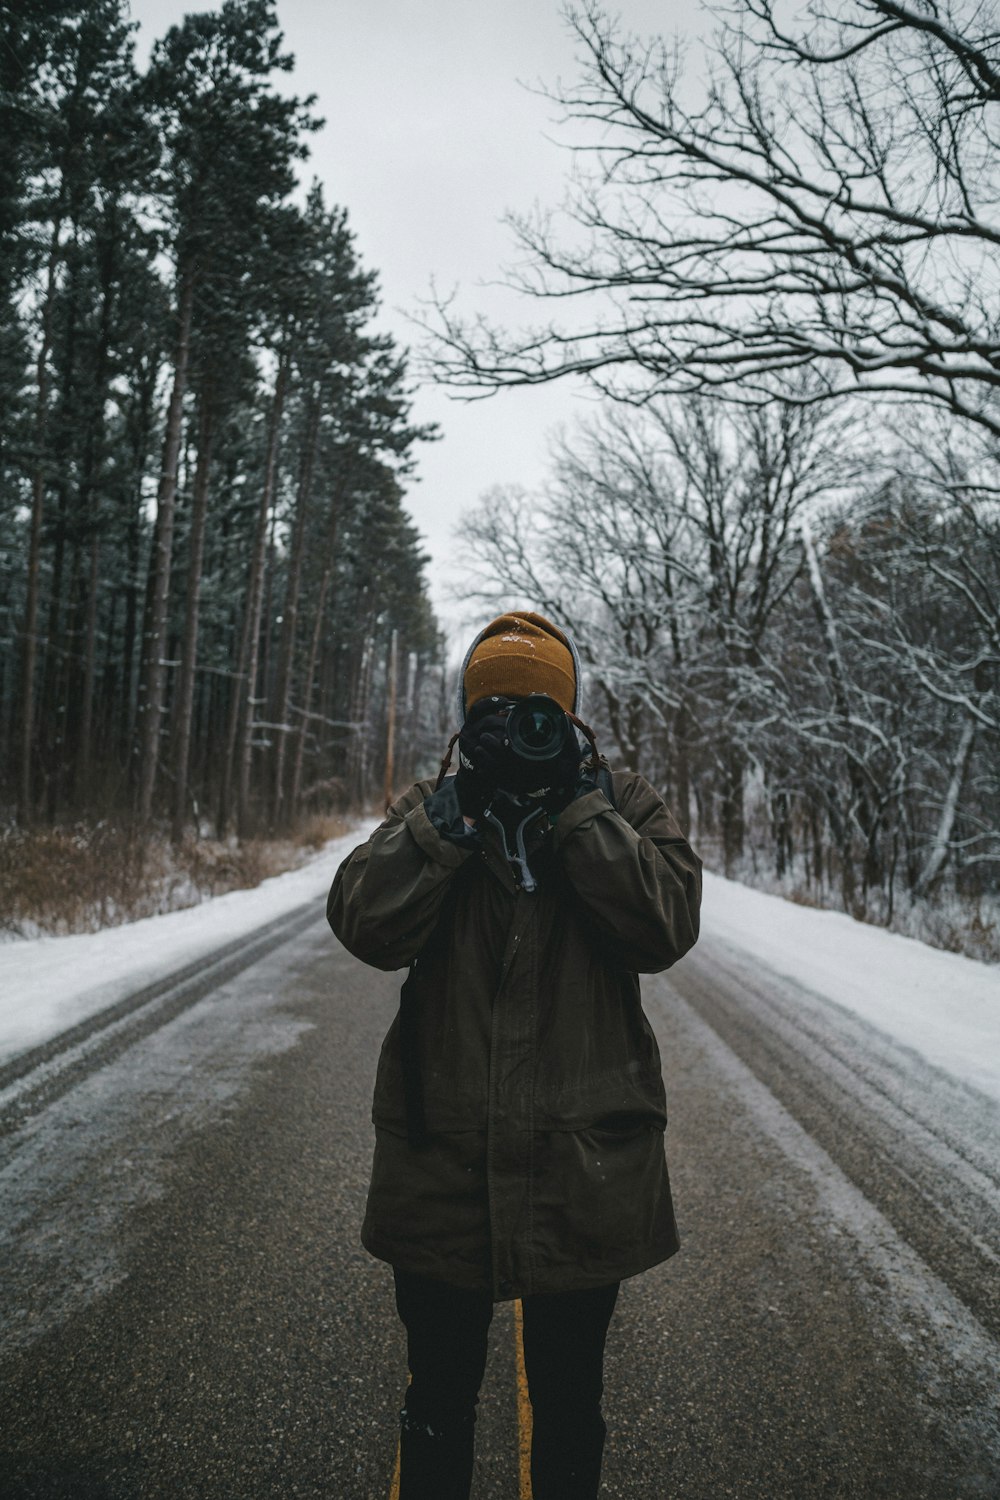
483,757
516,746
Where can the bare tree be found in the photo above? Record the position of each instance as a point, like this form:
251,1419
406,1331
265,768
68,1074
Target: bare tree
828,202
949,647
881,694
667,542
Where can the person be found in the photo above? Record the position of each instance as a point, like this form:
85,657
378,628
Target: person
519,1107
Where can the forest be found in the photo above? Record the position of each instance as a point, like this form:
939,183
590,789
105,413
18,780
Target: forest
777,540
208,579
779,545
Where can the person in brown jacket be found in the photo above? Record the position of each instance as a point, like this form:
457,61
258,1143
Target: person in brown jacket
519,1106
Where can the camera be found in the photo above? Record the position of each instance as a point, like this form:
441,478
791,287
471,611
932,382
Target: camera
537,728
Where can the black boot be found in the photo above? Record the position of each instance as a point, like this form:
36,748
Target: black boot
434,1464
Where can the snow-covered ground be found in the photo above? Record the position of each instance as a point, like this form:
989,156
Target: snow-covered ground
49,983
944,1006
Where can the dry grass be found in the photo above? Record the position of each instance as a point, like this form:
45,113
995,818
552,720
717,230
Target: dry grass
83,877
969,925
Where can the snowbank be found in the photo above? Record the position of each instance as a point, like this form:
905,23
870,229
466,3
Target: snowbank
49,983
943,1005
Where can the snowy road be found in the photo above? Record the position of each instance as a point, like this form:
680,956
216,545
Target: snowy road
921,1148
187,1312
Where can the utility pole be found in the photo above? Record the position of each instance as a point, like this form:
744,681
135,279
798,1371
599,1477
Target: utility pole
390,738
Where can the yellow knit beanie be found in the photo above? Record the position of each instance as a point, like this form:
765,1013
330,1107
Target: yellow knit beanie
517,654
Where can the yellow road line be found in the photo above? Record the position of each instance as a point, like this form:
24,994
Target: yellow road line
523,1419
394,1487
523,1409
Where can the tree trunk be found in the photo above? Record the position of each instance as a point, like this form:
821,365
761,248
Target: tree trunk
781,830
189,645
139,424
815,867
290,612
307,689
109,701
233,710
733,822
938,852
30,658
92,455
267,611
360,701
166,498
254,603
390,719
838,679
682,770
84,758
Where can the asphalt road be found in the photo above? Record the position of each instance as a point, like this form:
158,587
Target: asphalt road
186,1310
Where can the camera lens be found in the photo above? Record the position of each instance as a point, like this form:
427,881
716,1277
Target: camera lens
537,728
538,732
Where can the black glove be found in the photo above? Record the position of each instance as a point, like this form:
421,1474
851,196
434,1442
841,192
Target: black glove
485,759
442,807
487,762
564,778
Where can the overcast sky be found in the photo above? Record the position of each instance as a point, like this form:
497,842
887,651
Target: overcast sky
429,138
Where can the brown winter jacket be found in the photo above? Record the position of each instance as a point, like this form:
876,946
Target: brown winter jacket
543,1168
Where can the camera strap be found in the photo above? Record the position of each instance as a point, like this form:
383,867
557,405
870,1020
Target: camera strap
518,856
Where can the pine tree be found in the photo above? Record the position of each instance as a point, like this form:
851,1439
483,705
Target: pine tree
229,148
194,413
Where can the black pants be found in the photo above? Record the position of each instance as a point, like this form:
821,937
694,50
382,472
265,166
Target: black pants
446,1333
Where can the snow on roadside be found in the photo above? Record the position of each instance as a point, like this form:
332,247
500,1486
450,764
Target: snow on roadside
943,1005
50,983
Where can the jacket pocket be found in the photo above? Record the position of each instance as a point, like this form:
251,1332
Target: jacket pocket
601,1197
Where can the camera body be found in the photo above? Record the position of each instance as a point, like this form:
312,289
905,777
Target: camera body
515,747
537,729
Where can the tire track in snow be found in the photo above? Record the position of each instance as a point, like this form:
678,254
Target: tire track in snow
922,1146
42,1075
902,1159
